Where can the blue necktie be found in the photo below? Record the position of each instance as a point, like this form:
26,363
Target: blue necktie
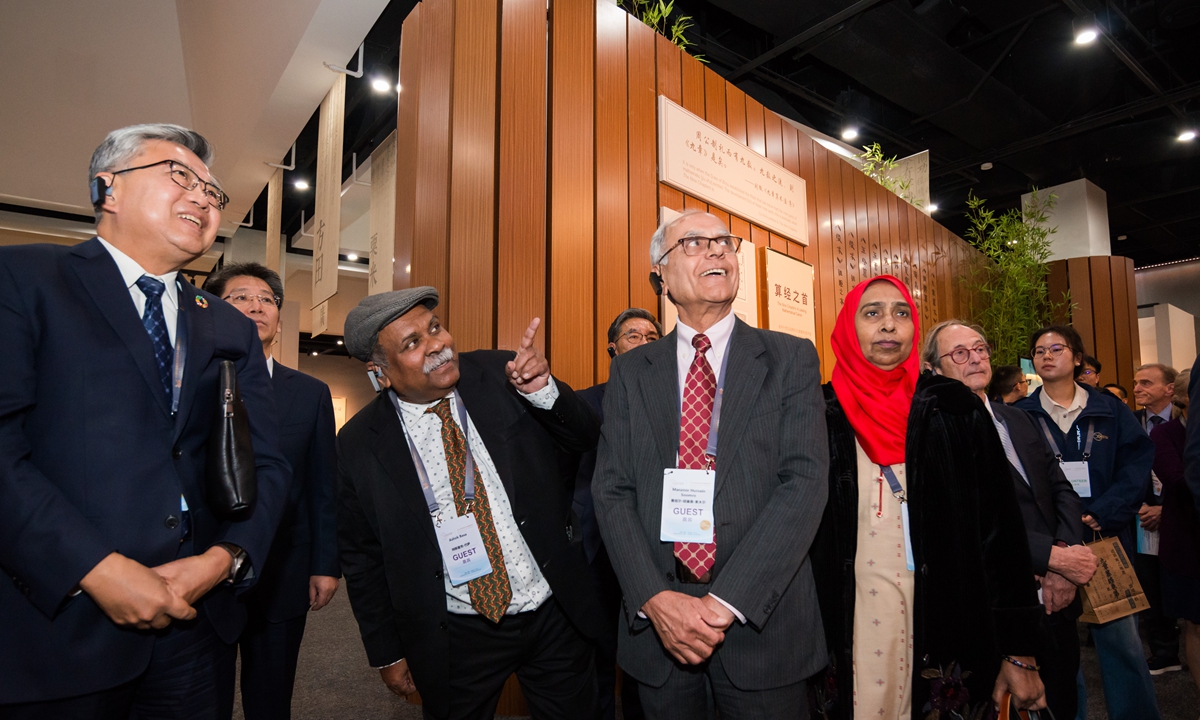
155,323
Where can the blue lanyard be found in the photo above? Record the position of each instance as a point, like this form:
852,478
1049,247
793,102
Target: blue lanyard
423,475
711,449
1087,450
893,483
898,493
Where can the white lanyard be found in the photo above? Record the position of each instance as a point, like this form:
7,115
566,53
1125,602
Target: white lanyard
423,475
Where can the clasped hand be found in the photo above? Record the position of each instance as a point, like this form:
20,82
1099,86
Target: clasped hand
133,595
690,628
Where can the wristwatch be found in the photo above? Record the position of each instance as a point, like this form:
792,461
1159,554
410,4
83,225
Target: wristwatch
241,562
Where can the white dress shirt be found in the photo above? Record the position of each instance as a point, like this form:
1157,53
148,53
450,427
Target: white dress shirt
718,335
1148,423
131,272
1064,417
529,587
271,365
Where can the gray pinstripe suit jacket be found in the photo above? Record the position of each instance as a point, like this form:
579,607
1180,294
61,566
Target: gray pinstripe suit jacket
771,487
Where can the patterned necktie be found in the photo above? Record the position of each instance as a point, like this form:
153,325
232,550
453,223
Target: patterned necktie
699,391
490,594
1010,452
1155,421
155,323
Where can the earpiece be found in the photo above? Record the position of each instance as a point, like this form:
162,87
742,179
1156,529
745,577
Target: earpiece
656,283
612,353
375,375
100,190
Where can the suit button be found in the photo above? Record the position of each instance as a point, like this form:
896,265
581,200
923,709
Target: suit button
924,570
171,522
670,577
522,523
442,625
437,575
176,453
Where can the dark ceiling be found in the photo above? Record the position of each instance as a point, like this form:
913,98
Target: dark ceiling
972,81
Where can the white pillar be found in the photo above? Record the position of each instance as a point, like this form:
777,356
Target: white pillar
1081,218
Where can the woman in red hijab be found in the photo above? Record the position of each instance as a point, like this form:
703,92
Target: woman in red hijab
922,565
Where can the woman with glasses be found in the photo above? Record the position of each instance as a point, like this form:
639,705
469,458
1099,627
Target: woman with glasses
1107,456
923,570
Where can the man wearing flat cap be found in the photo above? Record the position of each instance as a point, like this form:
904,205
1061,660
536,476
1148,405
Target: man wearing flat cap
463,561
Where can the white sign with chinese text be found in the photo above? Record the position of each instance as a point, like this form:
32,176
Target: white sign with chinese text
704,162
745,304
789,304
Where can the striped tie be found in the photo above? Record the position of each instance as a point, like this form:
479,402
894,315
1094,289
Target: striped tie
490,594
1010,452
155,322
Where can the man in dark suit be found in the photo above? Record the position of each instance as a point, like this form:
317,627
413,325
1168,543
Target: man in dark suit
696,612
1191,453
634,327
302,569
123,580
1049,506
463,561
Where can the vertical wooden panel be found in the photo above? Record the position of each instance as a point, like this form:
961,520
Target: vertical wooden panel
938,267
791,150
812,253
1135,340
612,254
735,113
849,221
692,73
869,244
1057,288
830,302
755,137
643,149
896,228
1080,282
521,237
473,174
714,99
670,81
669,197
773,135
928,290
1122,309
862,230
431,227
406,146
838,228
1104,345
572,194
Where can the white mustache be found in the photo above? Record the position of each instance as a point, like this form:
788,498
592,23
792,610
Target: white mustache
433,362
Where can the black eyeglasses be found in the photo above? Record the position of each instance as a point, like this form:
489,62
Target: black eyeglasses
696,244
961,355
188,179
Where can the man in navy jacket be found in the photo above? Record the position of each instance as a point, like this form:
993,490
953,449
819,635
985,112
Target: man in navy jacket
121,581
302,569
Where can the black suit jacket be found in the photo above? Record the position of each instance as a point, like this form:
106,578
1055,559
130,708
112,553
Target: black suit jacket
584,505
1191,450
306,541
1049,505
92,461
389,551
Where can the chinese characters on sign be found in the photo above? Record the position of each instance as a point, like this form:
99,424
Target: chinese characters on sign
788,302
704,162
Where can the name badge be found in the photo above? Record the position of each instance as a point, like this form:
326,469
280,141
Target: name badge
1077,473
462,549
687,505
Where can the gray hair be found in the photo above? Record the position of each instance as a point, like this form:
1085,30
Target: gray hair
1168,372
379,356
930,354
1182,380
124,144
658,240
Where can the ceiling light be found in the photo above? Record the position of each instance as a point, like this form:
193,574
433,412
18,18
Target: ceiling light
932,207
314,353
339,342
985,166
1187,136
849,133
301,184
380,85
397,87
1085,29
352,257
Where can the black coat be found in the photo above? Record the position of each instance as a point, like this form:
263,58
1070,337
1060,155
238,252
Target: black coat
389,551
975,597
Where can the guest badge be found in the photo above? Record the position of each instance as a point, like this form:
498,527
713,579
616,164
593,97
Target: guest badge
1077,473
687,505
462,549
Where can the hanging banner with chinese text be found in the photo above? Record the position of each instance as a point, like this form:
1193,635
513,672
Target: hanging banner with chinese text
788,301
327,220
383,216
704,162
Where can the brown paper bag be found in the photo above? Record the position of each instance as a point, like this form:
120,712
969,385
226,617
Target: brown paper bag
1114,591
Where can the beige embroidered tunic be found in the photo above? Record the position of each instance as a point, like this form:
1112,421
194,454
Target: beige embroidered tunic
883,601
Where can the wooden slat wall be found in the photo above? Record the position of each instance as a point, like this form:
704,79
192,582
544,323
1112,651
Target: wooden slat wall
1103,310
557,223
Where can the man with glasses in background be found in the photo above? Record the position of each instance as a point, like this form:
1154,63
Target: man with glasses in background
1107,457
302,570
1048,503
121,601
632,328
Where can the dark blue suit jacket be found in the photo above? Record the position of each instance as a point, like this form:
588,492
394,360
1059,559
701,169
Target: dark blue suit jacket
306,541
92,462
1191,451
582,504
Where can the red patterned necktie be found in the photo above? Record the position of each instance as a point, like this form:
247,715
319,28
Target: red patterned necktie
699,391
490,594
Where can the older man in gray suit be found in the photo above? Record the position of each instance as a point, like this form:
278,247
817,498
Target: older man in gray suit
709,486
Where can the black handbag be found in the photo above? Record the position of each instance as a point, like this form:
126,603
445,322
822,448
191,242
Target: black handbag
232,486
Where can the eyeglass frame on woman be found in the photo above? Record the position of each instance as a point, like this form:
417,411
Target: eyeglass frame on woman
1050,350
221,198
246,297
984,351
680,243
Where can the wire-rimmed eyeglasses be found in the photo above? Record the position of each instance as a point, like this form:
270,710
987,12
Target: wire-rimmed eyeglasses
188,179
697,244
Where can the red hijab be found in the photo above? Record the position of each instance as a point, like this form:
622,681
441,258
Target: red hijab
875,401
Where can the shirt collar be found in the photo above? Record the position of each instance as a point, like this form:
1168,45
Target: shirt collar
718,334
131,271
271,365
1078,402
413,412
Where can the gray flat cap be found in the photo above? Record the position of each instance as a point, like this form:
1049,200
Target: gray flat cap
375,312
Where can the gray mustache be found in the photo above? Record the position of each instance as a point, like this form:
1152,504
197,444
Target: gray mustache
433,362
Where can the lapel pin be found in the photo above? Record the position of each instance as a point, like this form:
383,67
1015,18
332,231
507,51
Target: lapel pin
201,302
